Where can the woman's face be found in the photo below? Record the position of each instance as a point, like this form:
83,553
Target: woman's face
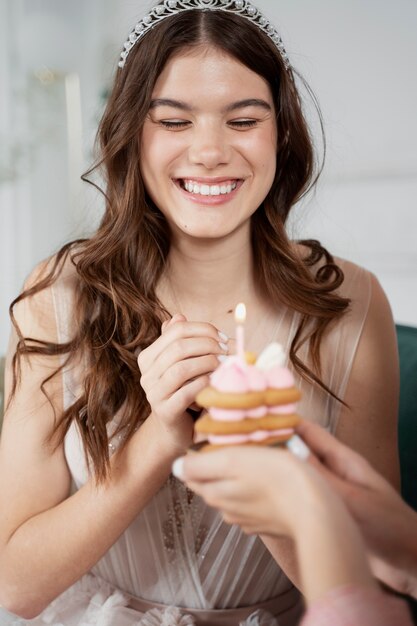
208,148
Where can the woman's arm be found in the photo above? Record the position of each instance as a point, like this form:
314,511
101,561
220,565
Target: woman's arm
49,538
369,424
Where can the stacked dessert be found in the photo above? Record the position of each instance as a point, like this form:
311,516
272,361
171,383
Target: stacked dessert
249,403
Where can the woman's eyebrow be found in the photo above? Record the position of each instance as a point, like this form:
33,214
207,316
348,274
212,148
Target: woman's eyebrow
249,102
184,106
169,102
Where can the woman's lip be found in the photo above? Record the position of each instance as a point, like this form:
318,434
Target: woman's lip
209,200
215,180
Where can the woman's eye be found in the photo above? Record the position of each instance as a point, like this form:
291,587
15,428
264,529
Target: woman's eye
174,124
243,123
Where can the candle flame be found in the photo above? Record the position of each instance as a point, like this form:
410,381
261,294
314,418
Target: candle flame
240,313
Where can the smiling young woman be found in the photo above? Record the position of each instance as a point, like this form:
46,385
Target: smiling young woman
204,150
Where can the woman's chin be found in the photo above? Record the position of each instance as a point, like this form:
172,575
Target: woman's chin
210,230
201,232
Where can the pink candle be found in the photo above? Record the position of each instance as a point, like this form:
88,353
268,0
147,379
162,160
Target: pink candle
240,316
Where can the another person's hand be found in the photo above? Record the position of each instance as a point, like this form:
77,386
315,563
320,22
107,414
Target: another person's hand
388,525
266,491
271,492
256,487
174,369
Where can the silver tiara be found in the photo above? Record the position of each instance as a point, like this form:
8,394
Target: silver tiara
172,7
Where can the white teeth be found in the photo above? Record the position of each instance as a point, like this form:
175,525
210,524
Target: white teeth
209,190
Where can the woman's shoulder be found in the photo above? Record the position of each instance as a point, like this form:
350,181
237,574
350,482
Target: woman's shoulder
48,290
357,279
350,268
51,274
362,285
358,282
369,307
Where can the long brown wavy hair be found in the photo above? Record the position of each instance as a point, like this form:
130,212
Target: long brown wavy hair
116,310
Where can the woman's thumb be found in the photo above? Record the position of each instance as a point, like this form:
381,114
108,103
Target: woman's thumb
178,317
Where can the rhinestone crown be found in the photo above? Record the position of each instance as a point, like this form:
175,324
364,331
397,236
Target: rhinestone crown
172,7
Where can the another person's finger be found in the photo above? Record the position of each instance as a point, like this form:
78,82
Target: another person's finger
338,458
201,467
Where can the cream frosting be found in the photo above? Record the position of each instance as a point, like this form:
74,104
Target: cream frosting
282,409
235,415
255,436
271,356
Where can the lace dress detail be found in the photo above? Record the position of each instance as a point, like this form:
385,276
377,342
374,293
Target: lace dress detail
178,552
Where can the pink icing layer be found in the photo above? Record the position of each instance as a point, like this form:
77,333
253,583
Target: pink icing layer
284,409
235,415
257,435
227,415
279,377
234,376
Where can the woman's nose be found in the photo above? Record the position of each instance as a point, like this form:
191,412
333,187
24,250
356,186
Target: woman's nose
209,148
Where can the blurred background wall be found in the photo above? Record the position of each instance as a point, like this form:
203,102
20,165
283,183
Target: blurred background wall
360,57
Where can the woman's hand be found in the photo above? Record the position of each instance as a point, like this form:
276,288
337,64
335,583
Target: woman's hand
174,369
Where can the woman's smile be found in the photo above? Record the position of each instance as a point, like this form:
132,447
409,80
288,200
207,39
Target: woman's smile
209,142
209,191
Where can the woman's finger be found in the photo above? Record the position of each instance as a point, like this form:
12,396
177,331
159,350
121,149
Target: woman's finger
186,370
174,332
179,401
182,351
160,387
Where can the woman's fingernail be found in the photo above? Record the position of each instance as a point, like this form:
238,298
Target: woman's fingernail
222,358
298,448
222,336
178,467
224,347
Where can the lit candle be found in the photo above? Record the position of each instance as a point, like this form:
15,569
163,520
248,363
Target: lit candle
240,317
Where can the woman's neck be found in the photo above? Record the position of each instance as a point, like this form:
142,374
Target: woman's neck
205,281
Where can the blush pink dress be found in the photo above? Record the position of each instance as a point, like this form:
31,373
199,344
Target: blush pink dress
178,563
